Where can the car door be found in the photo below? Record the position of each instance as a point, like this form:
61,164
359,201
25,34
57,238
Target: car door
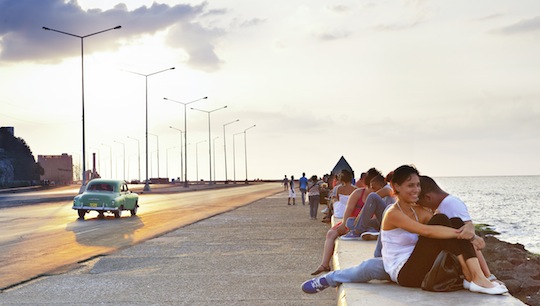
129,200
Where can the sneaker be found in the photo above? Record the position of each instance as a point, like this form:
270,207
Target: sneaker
351,235
370,236
315,285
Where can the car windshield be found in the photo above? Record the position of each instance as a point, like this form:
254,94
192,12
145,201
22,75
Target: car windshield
101,187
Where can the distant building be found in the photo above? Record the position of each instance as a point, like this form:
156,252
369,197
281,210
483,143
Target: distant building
58,168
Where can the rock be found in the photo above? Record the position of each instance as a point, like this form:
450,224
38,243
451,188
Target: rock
515,266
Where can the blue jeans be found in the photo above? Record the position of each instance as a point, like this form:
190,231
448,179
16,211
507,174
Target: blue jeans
303,192
370,269
374,205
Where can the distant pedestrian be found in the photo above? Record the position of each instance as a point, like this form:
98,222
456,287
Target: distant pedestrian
303,181
314,196
292,193
285,183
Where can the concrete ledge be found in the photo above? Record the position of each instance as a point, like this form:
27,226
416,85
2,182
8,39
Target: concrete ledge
351,253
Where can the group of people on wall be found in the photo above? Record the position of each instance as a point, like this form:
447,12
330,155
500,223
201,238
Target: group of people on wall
411,218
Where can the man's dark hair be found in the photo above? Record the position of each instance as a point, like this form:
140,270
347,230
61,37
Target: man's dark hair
371,173
427,185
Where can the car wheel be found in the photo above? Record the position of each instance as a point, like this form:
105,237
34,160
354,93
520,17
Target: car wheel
134,210
81,213
118,213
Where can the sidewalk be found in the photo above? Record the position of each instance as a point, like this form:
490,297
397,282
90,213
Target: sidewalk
258,254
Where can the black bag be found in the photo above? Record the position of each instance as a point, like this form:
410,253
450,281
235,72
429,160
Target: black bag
445,274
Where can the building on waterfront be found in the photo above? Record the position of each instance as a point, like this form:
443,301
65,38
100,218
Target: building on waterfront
58,169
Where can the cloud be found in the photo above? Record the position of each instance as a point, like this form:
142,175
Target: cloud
522,26
23,39
328,36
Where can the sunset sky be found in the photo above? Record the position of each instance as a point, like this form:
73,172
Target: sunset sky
452,87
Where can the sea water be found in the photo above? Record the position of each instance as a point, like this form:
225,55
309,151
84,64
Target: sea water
509,204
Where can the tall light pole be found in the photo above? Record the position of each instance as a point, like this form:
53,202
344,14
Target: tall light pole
167,161
197,158
124,157
234,156
225,148
147,184
82,94
214,154
186,184
209,135
157,144
110,157
245,149
181,151
138,155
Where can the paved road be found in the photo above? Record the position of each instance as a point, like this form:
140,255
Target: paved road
257,254
37,239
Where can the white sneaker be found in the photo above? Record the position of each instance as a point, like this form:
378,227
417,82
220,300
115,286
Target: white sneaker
466,284
370,235
494,290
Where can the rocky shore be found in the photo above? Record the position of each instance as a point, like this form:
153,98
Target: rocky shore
515,266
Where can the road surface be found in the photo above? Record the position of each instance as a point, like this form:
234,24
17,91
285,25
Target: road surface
49,238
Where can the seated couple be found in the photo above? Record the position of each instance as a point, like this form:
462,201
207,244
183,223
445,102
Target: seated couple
412,237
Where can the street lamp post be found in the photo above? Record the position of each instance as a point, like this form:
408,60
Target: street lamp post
157,144
110,158
225,148
245,150
209,135
214,154
186,184
234,157
147,184
124,157
197,159
138,155
82,94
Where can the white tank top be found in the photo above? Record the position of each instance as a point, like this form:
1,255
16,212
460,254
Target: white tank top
398,245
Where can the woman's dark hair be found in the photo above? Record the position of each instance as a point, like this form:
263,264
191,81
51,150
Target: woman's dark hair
346,176
403,173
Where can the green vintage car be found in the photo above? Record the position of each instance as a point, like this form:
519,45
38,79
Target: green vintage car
103,195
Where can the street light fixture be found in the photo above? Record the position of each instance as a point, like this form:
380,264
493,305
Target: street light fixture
197,158
245,149
147,183
234,157
124,157
138,155
82,94
186,184
181,151
225,148
209,135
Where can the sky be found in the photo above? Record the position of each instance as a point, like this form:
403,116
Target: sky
452,87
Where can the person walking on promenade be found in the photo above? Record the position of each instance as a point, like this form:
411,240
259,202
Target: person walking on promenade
292,193
431,196
314,189
302,182
285,183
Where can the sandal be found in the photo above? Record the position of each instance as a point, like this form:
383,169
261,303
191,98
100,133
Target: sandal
321,269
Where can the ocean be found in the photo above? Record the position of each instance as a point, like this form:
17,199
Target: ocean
509,204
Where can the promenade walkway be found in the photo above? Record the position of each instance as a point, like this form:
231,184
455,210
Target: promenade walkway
258,254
